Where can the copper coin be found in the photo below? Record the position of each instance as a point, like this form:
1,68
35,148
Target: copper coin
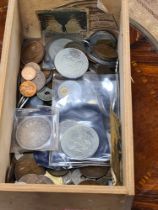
28,73
57,173
34,65
27,165
89,182
94,172
40,80
105,51
35,179
32,51
28,89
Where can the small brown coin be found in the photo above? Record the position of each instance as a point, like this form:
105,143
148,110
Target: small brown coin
34,65
57,173
28,73
40,80
35,179
27,165
32,51
89,182
28,89
105,51
94,172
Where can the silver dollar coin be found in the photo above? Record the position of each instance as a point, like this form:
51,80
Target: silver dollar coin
80,142
74,63
33,132
45,94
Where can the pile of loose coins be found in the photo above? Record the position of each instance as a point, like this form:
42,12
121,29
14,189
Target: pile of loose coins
71,59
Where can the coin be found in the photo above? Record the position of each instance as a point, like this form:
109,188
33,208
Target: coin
57,173
35,179
32,51
56,46
76,45
39,80
28,73
34,65
27,165
46,94
33,132
74,63
89,182
28,89
79,142
69,88
94,171
65,125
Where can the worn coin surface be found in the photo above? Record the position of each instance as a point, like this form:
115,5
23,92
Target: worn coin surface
28,88
79,142
69,88
94,171
46,94
32,51
27,165
28,73
35,179
33,132
40,80
57,173
74,63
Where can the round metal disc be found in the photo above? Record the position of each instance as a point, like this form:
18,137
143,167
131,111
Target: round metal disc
71,63
46,94
39,80
33,132
35,179
69,88
80,142
65,125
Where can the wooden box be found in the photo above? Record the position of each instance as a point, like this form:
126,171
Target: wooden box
21,23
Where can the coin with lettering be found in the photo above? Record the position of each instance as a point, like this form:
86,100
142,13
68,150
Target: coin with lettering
32,51
28,88
46,94
79,142
35,179
28,73
27,165
57,173
33,132
34,65
40,80
71,63
94,171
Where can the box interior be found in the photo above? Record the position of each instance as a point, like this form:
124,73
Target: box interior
22,22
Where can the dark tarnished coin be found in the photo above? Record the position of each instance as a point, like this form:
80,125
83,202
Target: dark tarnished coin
76,45
94,172
39,80
89,182
57,173
35,179
27,165
32,51
45,94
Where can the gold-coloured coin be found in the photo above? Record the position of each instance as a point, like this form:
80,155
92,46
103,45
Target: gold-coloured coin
28,89
28,73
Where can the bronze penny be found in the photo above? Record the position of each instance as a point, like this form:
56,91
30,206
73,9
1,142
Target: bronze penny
28,73
32,51
35,179
105,51
89,182
94,172
27,165
28,89
57,173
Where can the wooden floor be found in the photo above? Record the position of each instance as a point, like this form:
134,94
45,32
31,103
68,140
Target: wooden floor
144,62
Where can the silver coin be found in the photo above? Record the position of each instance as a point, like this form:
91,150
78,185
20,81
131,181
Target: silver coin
65,125
70,88
39,80
74,63
80,142
46,94
35,179
56,46
33,132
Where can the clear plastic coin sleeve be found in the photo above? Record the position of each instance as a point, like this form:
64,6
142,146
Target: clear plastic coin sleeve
35,130
84,114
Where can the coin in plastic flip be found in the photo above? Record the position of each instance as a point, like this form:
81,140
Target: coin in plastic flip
71,63
33,132
71,88
66,124
80,142
35,179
